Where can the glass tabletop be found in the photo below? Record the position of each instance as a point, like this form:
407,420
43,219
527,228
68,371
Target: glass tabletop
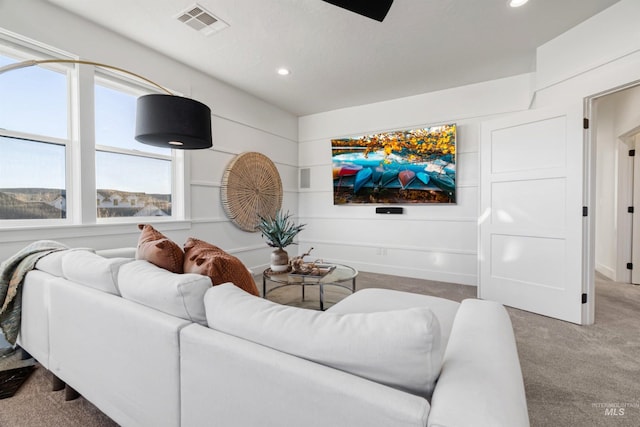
340,273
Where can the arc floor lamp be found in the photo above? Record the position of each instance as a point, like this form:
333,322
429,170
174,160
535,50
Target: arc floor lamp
162,120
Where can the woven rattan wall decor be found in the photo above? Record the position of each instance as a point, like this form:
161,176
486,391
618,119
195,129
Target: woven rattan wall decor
251,188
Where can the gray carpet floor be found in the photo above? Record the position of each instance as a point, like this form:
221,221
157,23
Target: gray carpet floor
574,375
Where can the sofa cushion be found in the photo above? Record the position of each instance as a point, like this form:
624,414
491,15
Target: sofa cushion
52,263
375,299
399,348
92,270
158,249
180,295
204,258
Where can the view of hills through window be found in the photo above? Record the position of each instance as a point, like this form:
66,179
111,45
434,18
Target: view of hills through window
32,183
32,179
50,203
31,203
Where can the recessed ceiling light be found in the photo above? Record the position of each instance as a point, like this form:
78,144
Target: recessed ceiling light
517,3
284,71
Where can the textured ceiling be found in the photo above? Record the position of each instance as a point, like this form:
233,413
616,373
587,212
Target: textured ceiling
338,58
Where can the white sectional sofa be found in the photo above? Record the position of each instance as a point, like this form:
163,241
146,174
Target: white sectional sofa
153,348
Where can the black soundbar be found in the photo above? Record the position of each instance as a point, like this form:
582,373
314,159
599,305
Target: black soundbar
389,210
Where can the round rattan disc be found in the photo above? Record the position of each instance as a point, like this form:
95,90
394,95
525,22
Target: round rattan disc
251,188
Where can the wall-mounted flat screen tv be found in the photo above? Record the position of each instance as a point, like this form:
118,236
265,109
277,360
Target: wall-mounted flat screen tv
404,166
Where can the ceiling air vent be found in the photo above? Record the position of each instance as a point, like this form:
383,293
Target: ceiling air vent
201,20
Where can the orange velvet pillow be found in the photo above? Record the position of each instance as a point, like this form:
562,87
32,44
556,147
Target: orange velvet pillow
204,258
155,247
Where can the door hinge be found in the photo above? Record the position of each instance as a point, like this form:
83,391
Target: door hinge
629,266
630,209
584,298
585,211
585,123
632,153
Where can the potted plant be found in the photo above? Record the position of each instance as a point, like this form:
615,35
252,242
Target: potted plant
279,232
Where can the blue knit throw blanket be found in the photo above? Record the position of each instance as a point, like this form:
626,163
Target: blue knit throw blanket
12,273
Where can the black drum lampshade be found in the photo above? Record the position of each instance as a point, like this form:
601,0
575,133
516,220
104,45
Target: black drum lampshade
374,9
172,121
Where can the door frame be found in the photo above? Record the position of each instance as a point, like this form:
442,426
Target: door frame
589,197
625,194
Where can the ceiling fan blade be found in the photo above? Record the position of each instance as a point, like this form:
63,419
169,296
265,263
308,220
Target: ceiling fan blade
374,9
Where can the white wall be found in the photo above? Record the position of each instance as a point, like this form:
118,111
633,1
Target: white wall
602,40
436,242
593,57
241,122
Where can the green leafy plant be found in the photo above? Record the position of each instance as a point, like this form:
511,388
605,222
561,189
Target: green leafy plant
280,230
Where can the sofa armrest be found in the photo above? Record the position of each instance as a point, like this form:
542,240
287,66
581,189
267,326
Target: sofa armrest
227,380
121,356
481,382
34,325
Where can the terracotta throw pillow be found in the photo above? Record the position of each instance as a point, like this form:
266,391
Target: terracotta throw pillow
155,247
204,258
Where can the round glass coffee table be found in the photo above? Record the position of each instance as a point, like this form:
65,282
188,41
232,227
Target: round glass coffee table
338,276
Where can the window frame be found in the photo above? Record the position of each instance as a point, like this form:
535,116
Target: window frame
116,81
22,51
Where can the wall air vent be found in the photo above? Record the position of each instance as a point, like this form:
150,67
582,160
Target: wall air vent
201,20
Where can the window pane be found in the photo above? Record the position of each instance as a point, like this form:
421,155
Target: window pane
115,121
32,180
132,185
34,100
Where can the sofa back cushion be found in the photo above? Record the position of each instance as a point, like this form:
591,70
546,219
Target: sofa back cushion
376,299
398,348
181,295
52,263
92,270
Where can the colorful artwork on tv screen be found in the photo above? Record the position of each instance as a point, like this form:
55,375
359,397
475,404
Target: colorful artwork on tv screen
407,166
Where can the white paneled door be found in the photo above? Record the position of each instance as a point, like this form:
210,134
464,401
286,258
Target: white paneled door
531,187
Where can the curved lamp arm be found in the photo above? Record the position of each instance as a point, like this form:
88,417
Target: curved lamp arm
167,121
32,62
